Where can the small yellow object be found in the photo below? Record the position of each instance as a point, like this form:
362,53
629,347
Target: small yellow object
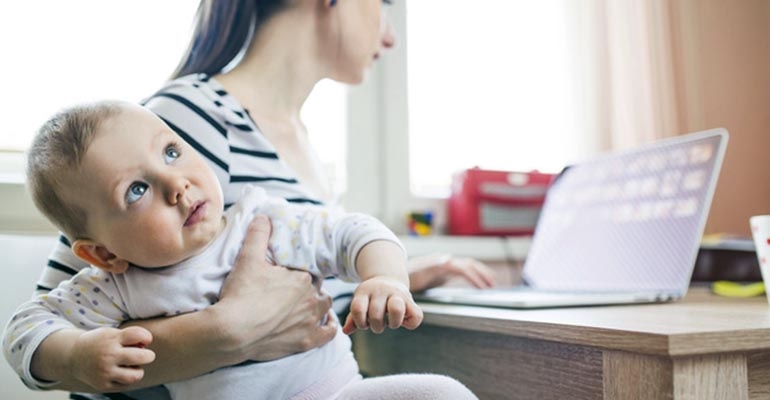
422,229
734,289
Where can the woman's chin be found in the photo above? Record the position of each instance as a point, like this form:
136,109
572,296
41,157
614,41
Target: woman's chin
354,77
352,82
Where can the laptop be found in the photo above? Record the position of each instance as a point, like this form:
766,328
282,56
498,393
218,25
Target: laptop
624,227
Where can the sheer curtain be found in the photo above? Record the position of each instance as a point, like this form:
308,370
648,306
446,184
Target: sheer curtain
626,59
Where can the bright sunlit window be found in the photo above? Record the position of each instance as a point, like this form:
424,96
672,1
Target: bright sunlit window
325,116
490,84
58,53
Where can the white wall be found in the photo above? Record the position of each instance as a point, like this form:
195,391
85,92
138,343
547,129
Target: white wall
23,259
17,213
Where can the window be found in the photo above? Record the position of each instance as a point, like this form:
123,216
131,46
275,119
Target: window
489,87
489,83
83,50
58,53
325,116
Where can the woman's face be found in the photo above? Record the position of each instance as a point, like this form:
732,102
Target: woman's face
365,32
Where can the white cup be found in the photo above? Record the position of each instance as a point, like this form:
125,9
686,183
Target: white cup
760,231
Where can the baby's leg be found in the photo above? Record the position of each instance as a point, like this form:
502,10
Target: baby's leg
408,387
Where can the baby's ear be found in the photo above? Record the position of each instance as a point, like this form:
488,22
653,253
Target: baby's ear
99,256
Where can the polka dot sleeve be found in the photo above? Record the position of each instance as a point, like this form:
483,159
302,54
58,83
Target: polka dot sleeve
87,301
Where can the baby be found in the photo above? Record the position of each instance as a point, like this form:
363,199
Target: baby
145,209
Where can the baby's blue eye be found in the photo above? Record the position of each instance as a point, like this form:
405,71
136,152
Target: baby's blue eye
170,154
135,192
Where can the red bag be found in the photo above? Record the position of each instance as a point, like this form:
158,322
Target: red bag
500,203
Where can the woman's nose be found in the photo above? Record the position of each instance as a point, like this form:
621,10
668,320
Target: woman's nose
387,37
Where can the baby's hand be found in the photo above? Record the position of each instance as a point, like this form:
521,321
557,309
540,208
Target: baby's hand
108,358
378,297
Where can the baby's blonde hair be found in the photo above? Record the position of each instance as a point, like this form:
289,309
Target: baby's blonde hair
56,153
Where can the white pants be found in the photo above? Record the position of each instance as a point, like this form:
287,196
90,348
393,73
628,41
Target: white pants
407,387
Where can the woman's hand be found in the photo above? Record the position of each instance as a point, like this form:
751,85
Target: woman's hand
433,270
270,312
264,312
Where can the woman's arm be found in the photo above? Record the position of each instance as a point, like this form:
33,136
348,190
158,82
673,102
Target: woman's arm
264,312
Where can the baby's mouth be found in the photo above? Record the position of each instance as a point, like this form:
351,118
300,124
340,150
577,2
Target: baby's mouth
197,213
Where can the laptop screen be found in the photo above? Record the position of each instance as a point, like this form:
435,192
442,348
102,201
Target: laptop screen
628,221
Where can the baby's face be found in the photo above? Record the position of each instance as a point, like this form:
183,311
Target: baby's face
151,199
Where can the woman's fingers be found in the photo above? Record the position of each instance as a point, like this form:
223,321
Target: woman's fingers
473,271
254,249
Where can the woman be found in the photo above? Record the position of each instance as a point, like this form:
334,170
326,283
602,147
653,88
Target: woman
245,121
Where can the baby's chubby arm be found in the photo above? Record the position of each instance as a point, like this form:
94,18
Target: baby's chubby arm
106,359
350,246
383,292
78,321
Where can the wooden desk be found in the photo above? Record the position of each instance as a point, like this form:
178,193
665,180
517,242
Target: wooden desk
703,347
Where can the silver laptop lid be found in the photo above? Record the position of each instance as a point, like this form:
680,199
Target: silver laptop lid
629,220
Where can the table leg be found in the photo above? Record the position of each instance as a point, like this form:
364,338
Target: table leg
710,376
